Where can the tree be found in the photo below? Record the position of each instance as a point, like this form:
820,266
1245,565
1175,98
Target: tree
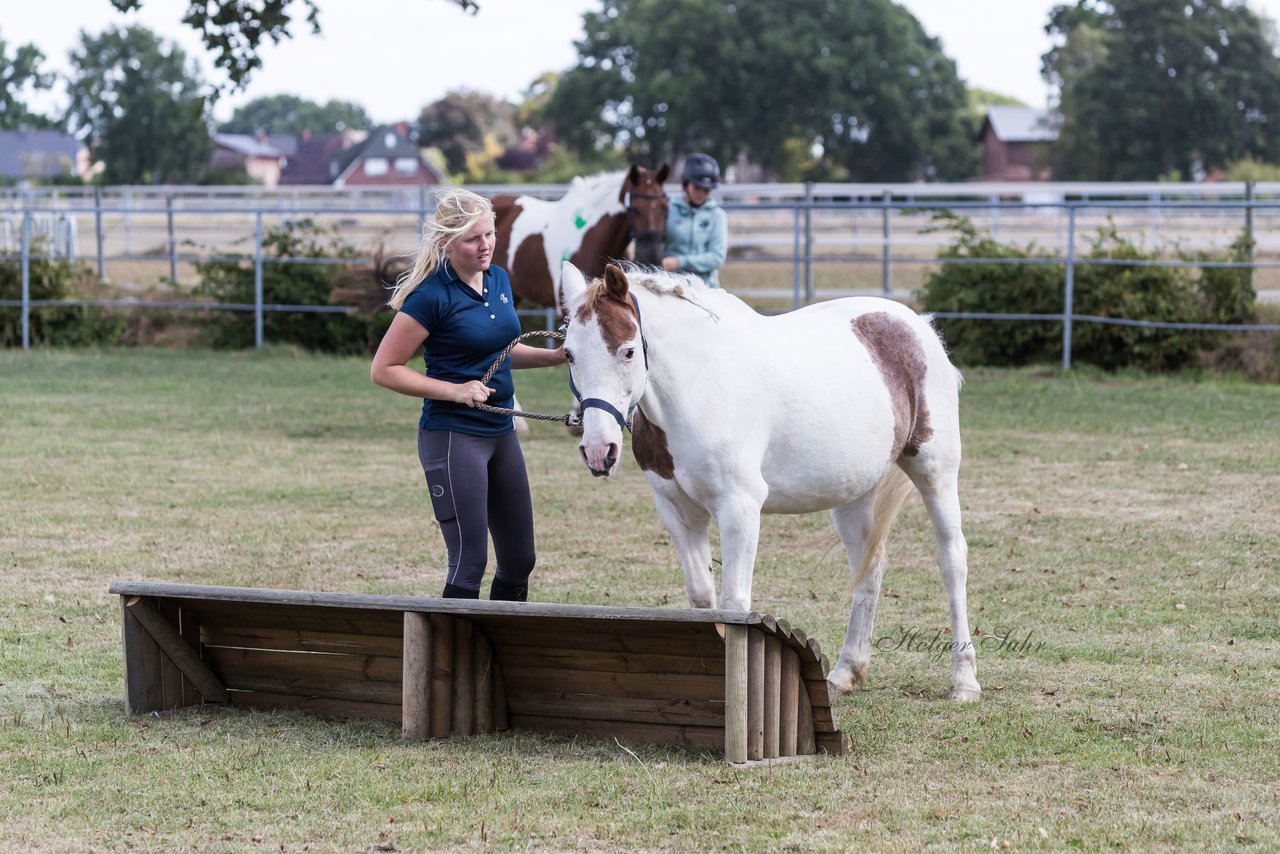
141,108
292,114
1151,89
463,123
18,73
855,84
235,29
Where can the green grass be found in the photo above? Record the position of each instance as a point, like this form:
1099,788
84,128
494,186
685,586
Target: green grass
1123,541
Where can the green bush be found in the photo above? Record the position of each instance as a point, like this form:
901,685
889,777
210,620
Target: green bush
49,279
287,282
1115,289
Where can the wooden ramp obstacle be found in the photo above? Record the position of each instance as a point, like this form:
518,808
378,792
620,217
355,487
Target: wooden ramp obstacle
444,667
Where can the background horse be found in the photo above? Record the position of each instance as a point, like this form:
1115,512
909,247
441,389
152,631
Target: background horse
841,405
593,222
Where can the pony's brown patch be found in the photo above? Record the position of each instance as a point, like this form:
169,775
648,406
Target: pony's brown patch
649,446
534,277
608,303
598,241
897,353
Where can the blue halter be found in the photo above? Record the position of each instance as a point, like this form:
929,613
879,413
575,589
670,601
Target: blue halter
624,422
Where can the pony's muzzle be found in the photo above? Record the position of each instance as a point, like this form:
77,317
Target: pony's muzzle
602,460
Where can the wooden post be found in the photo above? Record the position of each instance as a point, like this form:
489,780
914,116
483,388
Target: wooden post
789,703
168,640
806,737
141,692
464,679
171,678
755,694
735,693
441,676
772,695
415,689
483,669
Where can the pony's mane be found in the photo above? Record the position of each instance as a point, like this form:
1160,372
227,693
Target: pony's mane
595,183
684,286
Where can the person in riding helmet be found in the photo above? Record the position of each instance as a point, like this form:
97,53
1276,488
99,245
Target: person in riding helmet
697,229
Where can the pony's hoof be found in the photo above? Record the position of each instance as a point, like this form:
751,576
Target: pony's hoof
846,680
965,695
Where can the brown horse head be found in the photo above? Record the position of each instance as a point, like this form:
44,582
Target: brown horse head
646,203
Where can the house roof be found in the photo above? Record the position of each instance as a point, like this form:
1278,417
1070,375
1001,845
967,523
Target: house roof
1021,124
37,153
384,141
312,159
246,145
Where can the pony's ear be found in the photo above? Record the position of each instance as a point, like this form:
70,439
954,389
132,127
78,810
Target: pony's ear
572,286
615,283
661,175
633,178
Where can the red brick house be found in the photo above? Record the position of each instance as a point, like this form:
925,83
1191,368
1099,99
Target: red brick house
1015,144
388,157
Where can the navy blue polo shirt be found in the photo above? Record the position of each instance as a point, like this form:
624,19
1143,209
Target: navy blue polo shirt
466,332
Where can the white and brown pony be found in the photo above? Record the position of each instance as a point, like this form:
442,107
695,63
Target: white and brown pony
593,223
838,406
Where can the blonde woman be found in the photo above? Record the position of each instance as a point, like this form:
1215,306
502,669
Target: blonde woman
457,311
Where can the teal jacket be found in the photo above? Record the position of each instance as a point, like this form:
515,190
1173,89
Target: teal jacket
698,238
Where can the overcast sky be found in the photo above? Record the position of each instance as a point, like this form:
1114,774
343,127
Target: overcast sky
394,56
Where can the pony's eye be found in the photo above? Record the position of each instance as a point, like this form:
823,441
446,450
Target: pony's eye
568,357
629,354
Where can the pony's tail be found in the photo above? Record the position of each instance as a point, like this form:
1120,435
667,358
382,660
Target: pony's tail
891,494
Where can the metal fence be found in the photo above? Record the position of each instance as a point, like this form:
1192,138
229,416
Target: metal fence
829,240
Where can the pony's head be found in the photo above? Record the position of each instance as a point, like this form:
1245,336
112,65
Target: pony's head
608,368
646,204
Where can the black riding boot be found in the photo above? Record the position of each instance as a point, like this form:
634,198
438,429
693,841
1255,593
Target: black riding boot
452,591
501,591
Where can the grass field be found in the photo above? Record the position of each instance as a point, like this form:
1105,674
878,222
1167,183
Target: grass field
1124,587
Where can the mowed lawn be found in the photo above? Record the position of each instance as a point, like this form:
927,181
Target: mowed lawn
1124,588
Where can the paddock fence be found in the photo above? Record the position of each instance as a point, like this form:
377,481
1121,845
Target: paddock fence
790,244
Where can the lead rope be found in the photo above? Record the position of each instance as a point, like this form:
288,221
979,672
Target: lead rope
569,419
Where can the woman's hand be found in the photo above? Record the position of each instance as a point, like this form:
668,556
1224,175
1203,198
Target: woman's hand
671,263
471,393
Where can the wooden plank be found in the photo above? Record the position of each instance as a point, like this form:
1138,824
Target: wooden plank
788,702
265,662
805,736
177,650
830,742
662,685
189,628
138,691
483,692
171,678
755,695
501,711
616,662
735,693
338,621
605,637
357,691
416,677
257,637
463,679
441,711
772,696
707,713
316,705
692,736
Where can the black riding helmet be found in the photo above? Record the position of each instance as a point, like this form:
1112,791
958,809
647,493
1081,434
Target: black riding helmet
701,170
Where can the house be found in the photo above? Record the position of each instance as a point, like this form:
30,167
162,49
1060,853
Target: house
263,161
387,158
36,155
1015,143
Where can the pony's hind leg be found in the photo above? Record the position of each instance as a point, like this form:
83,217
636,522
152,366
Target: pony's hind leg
940,491
689,525
854,522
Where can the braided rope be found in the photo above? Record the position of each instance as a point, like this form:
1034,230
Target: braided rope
568,418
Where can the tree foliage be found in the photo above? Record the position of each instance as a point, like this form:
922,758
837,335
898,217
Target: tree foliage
19,73
141,108
466,123
858,83
1152,89
236,29
293,114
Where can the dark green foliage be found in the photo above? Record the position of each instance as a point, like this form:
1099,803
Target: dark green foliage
49,279
288,283
21,74
278,114
1114,289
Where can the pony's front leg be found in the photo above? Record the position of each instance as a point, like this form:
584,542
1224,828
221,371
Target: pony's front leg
689,524
739,522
